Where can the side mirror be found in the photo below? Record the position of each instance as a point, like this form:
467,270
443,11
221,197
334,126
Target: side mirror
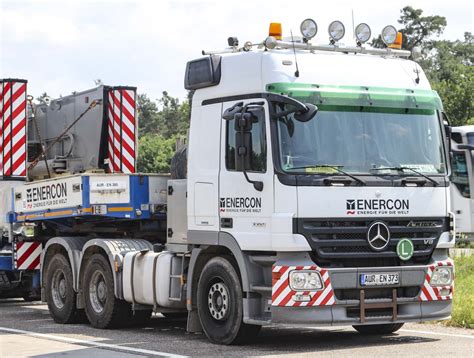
244,116
305,116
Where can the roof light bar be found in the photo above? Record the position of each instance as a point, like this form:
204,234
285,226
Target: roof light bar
272,43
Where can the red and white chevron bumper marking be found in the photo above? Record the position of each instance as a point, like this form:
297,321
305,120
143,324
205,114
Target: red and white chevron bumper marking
13,128
282,294
432,293
27,255
122,130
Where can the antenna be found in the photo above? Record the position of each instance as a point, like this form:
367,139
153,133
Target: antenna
297,72
353,28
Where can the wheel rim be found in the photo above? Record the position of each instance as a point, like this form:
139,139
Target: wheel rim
98,291
218,301
59,289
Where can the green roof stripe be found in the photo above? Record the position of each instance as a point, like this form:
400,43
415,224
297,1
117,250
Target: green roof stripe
359,96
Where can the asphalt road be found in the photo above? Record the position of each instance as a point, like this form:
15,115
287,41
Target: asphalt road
26,329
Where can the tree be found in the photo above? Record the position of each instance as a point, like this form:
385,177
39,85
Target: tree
155,153
417,30
451,73
161,123
147,115
173,118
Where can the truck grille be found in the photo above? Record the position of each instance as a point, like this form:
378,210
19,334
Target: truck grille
342,243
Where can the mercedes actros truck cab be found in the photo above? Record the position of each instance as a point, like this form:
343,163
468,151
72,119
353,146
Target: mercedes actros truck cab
316,193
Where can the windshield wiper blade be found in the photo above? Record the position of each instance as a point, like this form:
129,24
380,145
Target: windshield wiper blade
335,167
435,183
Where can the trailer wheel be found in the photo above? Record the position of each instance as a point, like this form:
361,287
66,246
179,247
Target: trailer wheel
378,329
60,294
103,309
219,301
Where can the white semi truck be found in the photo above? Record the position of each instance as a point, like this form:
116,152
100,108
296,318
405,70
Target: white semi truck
316,193
462,180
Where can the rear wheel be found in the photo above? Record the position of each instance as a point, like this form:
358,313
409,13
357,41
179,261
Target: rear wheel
219,303
60,295
378,329
103,309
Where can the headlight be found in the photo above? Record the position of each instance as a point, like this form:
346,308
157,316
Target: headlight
442,276
362,33
308,28
305,281
336,30
389,35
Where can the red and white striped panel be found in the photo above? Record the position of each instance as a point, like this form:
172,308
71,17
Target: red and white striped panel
122,128
431,293
282,294
27,255
13,128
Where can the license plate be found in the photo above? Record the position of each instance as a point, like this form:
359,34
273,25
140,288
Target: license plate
379,279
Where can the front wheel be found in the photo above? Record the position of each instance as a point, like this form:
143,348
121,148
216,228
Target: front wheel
219,300
378,329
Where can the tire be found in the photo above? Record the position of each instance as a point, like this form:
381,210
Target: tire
378,329
102,308
220,307
60,294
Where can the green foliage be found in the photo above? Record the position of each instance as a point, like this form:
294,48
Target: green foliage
417,29
450,70
147,115
463,305
160,124
447,64
155,153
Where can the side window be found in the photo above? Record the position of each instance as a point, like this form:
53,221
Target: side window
459,174
258,155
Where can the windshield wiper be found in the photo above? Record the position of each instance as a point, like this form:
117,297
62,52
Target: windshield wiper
335,167
435,183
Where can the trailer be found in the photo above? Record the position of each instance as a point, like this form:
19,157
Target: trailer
314,190
462,180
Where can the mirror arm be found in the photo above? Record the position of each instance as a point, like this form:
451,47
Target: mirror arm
258,185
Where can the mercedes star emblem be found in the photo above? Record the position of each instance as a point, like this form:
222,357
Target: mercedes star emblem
378,236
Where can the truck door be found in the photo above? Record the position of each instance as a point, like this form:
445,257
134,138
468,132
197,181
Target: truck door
245,208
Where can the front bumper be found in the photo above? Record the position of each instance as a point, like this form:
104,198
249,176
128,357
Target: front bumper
344,301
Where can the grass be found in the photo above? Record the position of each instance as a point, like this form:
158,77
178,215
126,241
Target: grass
463,305
464,243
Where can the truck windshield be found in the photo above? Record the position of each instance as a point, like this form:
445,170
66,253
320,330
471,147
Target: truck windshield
361,141
359,130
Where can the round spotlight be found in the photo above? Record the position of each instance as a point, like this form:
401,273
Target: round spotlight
336,30
309,28
362,33
389,35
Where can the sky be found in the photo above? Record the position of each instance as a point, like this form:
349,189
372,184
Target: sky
63,46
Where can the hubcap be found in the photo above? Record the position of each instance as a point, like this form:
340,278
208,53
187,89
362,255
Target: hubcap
97,292
58,289
218,301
